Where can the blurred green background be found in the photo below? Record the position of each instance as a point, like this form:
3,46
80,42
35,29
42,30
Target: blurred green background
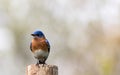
84,35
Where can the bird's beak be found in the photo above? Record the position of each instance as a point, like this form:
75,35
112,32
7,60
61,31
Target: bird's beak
33,35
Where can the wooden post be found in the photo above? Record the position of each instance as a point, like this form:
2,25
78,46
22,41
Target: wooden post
42,70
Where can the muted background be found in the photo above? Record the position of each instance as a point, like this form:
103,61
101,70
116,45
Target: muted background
84,35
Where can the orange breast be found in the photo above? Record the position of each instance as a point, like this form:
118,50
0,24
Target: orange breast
39,44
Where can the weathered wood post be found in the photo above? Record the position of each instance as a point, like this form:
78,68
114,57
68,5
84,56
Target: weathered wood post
42,70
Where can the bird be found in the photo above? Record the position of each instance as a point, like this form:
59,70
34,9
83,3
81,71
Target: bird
40,47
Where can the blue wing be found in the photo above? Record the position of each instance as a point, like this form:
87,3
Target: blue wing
48,45
31,46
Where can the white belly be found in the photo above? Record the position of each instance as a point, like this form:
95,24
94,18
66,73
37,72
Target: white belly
40,53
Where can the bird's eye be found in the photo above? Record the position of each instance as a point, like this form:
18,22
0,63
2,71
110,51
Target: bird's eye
37,34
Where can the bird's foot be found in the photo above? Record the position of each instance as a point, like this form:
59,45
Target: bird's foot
37,64
44,64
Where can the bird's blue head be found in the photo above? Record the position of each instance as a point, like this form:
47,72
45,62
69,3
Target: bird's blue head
38,34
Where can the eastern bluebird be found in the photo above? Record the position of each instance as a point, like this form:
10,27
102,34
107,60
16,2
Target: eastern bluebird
40,47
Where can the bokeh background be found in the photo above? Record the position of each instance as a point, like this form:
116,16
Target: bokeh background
84,35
